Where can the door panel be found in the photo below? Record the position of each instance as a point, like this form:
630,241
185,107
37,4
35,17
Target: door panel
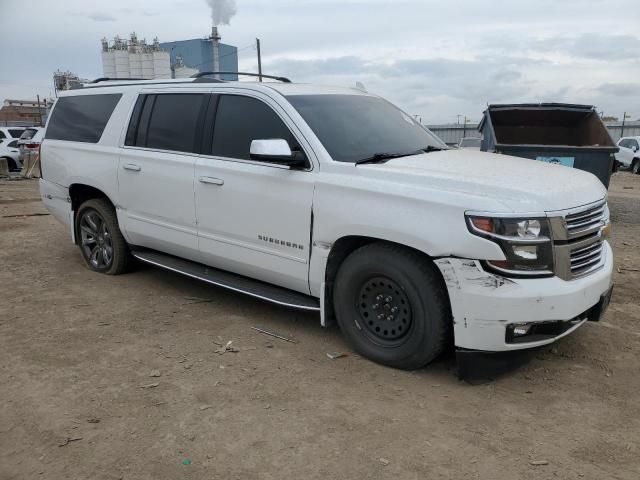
255,220
156,171
156,196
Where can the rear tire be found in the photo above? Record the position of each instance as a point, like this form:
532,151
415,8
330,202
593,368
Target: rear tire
635,166
11,164
392,306
101,243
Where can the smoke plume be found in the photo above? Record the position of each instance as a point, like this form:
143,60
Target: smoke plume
222,11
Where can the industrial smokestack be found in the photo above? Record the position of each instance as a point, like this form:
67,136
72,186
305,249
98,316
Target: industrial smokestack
215,43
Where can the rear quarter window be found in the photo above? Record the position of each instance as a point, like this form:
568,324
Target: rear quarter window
28,134
81,118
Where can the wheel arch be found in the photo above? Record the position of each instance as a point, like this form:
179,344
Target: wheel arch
343,247
80,193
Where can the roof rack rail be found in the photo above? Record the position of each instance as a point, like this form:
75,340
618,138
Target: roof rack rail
206,74
109,79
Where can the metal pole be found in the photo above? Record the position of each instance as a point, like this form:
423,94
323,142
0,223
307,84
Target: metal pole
259,59
464,128
624,116
39,109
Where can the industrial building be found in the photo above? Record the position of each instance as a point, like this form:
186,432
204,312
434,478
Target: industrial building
66,80
134,59
24,112
204,55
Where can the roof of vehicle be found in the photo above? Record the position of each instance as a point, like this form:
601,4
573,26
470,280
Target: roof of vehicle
634,137
282,88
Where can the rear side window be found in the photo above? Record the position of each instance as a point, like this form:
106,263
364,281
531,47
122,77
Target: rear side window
81,118
240,120
13,144
16,132
167,121
28,134
2,135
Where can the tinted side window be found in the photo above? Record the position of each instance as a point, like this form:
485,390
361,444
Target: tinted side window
2,135
174,121
81,118
622,143
16,132
13,144
242,119
633,143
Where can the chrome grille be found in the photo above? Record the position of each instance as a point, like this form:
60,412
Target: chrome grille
578,240
586,221
586,259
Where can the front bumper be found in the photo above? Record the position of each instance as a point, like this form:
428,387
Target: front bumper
486,306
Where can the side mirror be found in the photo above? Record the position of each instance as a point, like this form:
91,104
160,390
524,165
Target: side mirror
634,148
276,150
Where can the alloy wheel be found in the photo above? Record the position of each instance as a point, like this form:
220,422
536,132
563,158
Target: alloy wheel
96,241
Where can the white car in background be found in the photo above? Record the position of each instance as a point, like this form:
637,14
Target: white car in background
7,133
629,154
9,150
29,141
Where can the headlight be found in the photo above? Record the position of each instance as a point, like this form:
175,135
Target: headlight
526,243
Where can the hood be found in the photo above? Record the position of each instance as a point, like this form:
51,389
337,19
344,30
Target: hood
519,184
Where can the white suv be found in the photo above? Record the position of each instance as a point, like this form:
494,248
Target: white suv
331,200
629,153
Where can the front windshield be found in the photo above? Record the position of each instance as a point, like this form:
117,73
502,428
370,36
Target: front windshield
356,127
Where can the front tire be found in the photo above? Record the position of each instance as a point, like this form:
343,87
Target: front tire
101,243
392,306
635,166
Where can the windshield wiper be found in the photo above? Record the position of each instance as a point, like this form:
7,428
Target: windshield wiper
383,157
429,148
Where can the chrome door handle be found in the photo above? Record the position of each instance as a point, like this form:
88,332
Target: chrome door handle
132,167
211,180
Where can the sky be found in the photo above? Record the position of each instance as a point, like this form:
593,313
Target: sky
442,60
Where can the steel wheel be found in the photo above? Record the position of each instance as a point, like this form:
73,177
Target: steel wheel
95,240
391,305
385,311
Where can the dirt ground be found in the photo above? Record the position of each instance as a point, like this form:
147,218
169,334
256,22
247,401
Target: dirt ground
118,378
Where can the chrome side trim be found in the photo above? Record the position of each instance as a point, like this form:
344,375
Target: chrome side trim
228,287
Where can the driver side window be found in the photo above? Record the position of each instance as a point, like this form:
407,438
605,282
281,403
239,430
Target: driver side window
239,120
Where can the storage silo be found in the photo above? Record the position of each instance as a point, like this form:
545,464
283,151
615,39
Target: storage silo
147,65
109,64
122,64
161,64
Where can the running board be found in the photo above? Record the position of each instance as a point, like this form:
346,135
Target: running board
231,281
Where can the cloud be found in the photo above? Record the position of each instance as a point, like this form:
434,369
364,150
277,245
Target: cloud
594,46
620,89
101,17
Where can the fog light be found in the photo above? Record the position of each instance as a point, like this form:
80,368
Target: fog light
521,329
525,252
